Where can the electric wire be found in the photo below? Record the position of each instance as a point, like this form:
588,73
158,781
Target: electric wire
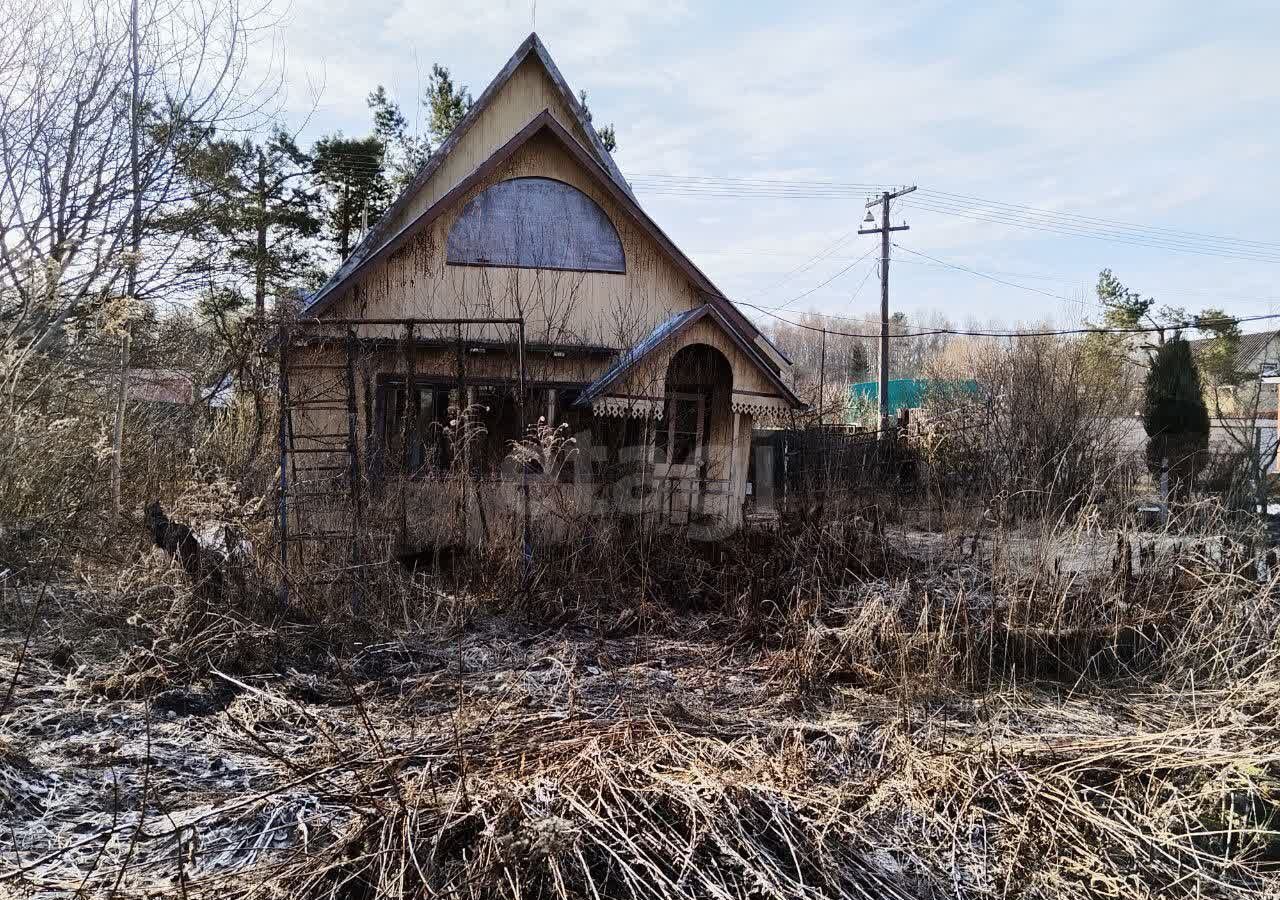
1197,323
977,208
823,284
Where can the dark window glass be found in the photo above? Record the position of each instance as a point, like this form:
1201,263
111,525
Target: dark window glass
684,430
422,424
676,441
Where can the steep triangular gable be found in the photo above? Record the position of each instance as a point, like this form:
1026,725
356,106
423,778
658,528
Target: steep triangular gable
384,229
543,123
392,227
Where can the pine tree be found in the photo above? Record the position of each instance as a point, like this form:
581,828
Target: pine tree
253,208
1216,356
608,137
351,173
1174,414
405,152
444,103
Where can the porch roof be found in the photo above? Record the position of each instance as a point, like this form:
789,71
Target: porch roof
668,329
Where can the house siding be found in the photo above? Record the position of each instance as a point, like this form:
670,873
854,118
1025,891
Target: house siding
526,93
560,307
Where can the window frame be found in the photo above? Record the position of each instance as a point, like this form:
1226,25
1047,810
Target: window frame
393,385
444,392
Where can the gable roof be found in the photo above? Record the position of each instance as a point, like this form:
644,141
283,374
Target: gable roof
1247,350
379,240
668,329
379,233
543,123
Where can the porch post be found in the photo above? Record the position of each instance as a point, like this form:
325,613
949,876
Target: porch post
734,512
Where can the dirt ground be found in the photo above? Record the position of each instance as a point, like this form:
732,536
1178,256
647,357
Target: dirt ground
237,772
111,783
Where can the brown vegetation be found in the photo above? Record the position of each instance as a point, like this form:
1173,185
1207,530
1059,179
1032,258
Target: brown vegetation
851,706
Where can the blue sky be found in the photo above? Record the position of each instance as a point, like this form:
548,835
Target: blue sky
1159,114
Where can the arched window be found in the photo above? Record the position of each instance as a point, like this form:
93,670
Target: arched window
535,223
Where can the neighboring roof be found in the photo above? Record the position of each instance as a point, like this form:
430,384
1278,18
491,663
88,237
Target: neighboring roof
376,236
1250,346
669,328
910,393
161,386
379,241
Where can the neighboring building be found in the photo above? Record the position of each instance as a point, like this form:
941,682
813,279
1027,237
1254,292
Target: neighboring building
522,214
1245,414
160,386
1257,353
908,393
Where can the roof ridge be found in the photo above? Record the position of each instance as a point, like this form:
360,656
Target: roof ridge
380,232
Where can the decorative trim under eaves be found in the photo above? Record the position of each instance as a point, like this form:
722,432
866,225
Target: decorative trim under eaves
627,407
761,408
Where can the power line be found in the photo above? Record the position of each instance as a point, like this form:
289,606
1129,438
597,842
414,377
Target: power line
1001,217
1038,276
1066,227
818,286
863,283
997,218
808,264
1108,222
960,268
837,189
995,211
1033,221
851,265
732,180
1198,324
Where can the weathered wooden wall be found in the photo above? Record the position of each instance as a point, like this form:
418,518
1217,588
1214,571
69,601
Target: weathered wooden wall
527,93
596,308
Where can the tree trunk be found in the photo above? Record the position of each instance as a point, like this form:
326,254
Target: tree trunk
117,433
260,249
135,246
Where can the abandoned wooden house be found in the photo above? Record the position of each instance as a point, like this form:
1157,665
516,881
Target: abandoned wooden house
518,281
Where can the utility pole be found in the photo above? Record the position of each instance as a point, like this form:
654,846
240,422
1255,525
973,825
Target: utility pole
883,385
822,377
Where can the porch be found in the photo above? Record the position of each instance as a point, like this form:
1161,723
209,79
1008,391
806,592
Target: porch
403,441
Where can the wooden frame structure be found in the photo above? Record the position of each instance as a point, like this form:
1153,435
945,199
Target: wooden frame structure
313,330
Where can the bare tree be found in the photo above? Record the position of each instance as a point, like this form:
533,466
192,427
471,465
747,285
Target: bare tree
830,354
99,103
100,106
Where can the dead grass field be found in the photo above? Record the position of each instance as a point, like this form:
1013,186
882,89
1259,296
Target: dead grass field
867,746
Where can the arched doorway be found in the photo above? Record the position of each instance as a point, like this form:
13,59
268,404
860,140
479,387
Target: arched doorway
691,450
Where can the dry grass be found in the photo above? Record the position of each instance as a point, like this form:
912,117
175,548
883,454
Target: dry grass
1065,715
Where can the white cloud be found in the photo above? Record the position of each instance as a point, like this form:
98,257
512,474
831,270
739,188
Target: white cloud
1144,111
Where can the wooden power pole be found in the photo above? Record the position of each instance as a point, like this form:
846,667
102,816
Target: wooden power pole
882,388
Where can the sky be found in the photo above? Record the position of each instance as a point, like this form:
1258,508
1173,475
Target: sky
1161,115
